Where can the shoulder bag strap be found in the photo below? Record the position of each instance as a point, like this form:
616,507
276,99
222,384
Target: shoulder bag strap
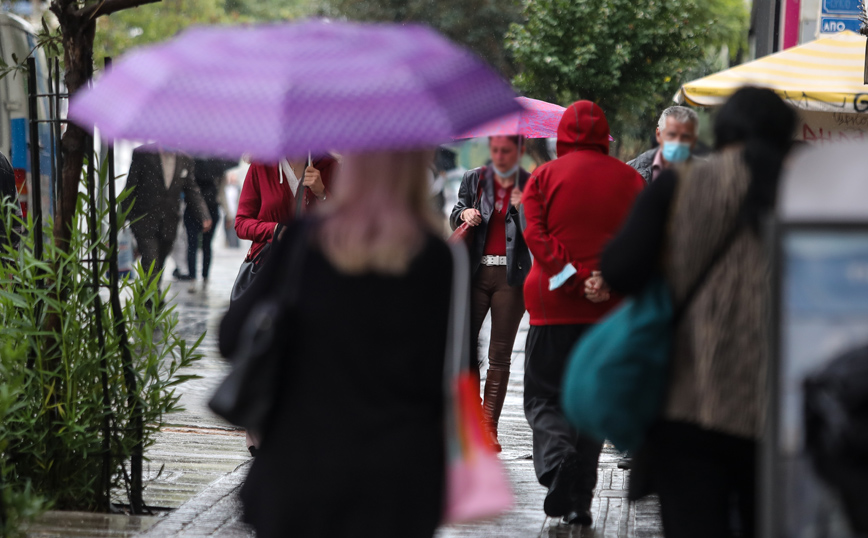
289,285
479,186
458,328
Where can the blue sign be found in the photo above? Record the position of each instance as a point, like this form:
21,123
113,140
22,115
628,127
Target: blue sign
841,7
833,25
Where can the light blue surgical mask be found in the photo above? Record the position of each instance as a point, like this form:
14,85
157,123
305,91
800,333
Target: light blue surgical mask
506,173
676,152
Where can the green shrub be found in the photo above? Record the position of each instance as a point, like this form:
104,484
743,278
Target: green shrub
64,369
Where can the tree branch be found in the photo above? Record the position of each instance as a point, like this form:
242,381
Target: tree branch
107,7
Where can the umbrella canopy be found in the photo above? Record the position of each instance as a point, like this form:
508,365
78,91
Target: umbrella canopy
823,75
537,119
284,89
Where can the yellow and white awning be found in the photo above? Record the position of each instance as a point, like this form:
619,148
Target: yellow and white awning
824,75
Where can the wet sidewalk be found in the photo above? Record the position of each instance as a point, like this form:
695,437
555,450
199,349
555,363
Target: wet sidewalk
198,463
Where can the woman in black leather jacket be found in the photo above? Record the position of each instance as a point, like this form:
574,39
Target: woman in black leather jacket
488,201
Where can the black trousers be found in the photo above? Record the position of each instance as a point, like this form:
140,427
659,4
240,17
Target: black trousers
194,228
706,481
553,437
154,249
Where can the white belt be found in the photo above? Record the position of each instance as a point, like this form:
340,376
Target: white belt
494,260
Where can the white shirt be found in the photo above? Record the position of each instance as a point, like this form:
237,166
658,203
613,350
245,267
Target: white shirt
168,161
286,169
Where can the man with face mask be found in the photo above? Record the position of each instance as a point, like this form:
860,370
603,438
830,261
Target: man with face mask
677,132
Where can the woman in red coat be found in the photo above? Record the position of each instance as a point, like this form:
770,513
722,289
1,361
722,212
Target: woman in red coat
573,205
268,197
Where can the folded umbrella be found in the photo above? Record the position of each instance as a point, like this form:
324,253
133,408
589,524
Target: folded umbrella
281,90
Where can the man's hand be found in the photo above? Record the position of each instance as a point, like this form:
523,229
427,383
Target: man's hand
596,289
313,181
515,197
471,216
206,226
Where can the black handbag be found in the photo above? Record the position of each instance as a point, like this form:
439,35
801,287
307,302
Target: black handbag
249,269
247,273
247,395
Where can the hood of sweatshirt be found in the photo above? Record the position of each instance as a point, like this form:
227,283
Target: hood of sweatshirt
583,126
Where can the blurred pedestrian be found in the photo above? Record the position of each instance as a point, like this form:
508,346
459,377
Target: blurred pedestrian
700,458
9,195
356,444
677,133
208,174
268,201
573,206
268,196
228,198
158,177
488,201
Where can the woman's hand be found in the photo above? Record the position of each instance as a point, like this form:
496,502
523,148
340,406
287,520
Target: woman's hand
596,289
515,197
471,216
313,181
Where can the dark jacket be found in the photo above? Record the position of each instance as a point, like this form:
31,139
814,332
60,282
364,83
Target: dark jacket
643,164
9,191
517,256
157,209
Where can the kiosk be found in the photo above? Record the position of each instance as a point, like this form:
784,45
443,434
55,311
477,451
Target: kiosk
821,313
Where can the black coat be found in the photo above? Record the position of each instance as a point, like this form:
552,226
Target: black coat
517,256
356,445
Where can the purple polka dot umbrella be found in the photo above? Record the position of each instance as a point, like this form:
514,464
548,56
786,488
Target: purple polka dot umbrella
285,89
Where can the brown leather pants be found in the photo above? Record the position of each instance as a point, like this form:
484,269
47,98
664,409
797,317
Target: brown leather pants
489,291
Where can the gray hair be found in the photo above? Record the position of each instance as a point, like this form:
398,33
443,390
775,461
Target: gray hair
681,114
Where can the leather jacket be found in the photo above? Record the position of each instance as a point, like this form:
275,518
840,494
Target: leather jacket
517,256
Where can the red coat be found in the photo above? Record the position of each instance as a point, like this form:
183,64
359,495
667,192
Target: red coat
573,206
265,201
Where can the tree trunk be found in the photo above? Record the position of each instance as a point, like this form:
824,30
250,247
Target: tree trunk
78,37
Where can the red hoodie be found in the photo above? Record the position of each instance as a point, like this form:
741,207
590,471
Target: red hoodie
574,205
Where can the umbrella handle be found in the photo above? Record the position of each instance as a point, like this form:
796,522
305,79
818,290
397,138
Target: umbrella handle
299,201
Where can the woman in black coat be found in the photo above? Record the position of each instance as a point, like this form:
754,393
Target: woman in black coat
356,444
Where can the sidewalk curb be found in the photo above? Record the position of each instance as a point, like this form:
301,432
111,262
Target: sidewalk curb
208,513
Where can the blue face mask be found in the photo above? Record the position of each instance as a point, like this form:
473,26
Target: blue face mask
676,152
506,173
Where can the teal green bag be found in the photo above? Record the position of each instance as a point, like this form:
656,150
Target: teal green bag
616,375
615,381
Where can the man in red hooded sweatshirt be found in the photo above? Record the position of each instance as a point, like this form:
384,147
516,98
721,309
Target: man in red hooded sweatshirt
573,206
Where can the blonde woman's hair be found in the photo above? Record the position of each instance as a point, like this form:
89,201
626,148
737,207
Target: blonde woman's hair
380,214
